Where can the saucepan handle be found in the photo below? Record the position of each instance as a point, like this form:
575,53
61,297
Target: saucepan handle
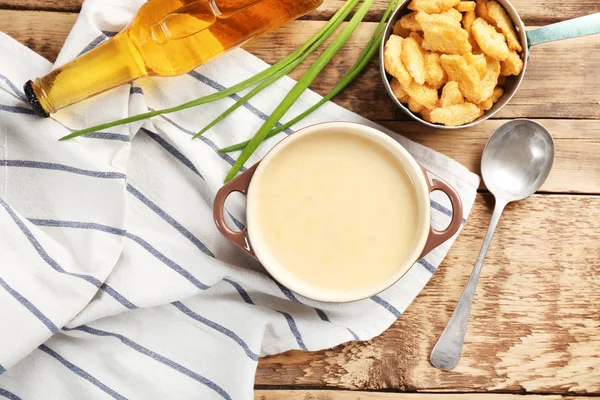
582,26
436,237
238,184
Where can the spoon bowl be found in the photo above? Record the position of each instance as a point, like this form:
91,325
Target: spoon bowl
517,159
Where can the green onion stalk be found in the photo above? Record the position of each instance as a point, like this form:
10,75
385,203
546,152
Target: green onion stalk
270,75
283,71
299,88
356,69
335,21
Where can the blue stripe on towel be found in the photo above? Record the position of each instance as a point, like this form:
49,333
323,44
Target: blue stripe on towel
107,136
2,369
322,315
286,292
427,265
50,261
83,374
115,231
386,305
29,305
16,109
14,88
444,210
290,295
170,220
81,225
245,296
62,167
354,335
117,296
294,329
437,206
172,150
237,223
168,262
157,357
141,242
219,328
9,395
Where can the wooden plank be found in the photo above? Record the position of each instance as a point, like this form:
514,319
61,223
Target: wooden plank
562,80
531,11
62,5
535,322
575,170
353,395
43,32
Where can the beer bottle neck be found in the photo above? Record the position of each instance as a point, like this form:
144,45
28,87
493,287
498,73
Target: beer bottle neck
113,63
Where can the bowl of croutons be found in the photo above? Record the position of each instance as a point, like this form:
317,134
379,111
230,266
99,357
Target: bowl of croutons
453,63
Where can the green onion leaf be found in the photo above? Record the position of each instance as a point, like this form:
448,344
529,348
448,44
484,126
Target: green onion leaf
308,77
339,18
356,69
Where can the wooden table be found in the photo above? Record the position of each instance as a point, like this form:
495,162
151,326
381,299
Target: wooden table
535,324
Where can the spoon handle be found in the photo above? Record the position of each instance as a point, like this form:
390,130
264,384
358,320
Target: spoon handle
446,353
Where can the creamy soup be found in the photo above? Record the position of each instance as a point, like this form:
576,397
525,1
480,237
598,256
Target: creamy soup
337,211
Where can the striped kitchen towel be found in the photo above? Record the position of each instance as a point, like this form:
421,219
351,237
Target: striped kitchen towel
114,281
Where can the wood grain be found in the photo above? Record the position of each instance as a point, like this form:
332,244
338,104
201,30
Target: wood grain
43,32
62,5
534,325
531,11
561,82
350,395
576,169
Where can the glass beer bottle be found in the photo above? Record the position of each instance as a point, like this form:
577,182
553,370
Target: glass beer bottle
166,38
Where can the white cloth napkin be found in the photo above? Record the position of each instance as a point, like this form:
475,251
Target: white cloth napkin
114,281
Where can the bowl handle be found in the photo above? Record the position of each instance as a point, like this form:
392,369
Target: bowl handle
436,237
238,184
576,27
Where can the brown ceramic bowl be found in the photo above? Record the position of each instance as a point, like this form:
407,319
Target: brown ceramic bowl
423,181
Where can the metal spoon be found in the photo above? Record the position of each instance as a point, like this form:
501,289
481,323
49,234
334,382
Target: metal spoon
515,163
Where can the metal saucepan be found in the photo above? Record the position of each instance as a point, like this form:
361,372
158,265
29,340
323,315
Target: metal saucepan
583,26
